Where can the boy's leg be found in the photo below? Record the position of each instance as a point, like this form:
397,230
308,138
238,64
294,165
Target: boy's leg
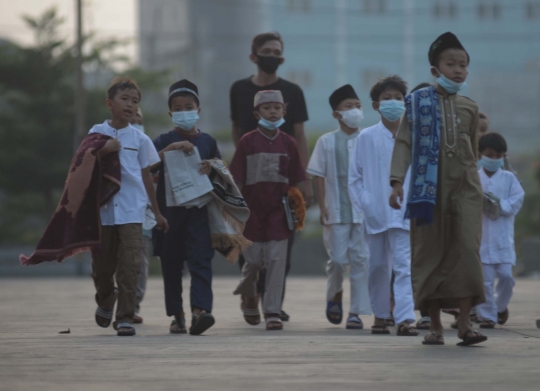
172,270
253,256
505,286
201,295
488,310
275,259
104,266
358,255
143,274
127,271
379,275
399,240
336,247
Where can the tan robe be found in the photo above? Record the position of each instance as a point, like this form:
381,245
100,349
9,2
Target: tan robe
445,254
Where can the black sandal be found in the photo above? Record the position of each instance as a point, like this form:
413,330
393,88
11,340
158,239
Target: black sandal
178,326
471,337
103,317
125,329
406,330
380,329
201,322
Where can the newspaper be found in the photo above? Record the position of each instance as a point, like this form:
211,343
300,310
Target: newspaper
184,186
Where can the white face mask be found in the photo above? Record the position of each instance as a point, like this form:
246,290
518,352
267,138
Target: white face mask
185,120
352,118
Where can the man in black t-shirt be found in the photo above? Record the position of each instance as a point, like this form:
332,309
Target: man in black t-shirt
266,53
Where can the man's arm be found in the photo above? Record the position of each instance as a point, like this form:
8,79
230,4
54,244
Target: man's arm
321,197
149,186
303,151
235,132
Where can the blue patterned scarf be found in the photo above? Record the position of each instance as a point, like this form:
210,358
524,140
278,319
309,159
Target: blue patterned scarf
425,126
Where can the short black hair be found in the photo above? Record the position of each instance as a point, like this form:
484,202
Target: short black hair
482,115
261,39
420,86
494,141
121,83
394,81
185,95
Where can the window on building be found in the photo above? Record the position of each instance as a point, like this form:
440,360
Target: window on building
489,10
445,9
299,6
532,10
374,6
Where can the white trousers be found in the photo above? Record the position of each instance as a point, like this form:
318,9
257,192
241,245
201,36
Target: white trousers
496,299
346,246
391,250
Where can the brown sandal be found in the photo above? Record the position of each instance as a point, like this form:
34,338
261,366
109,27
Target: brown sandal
250,309
471,337
274,323
433,339
406,330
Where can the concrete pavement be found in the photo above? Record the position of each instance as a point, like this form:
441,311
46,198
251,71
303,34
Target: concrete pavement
310,354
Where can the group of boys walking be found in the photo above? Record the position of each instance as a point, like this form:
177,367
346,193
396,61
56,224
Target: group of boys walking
407,206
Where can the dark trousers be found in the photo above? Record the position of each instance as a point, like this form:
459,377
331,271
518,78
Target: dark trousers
262,274
201,295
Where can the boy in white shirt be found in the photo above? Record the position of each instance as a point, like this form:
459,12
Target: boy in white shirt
343,229
503,198
123,215
387,231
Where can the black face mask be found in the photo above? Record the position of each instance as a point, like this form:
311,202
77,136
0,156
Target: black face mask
269,64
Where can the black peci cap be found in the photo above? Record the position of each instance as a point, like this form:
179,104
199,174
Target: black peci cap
183,86
342,93
442,43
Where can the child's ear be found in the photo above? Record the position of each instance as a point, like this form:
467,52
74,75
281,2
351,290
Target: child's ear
282,61
199,110
337,115
170,114
435,72
108,103
376,105
257,115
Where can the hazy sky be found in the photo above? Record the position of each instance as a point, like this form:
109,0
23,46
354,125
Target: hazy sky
109,18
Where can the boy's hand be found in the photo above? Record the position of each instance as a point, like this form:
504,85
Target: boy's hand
206,168
112,145
185,146
396,198
324,216
161,223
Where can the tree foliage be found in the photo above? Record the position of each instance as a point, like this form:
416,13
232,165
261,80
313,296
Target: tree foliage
37,118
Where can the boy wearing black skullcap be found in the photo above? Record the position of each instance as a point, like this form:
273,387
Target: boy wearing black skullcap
438,139
188,239
343,226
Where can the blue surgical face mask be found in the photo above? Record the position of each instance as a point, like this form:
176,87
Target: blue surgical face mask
139,127
491,165
271,125
391,109
185,120
450,86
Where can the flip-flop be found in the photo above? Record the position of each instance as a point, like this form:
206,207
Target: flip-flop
354,323
472,337
125,329
285,317
433,339
335,308
200,323
380,329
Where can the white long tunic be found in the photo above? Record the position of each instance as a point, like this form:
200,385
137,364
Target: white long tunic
497,245
331,160
369,175
137,152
